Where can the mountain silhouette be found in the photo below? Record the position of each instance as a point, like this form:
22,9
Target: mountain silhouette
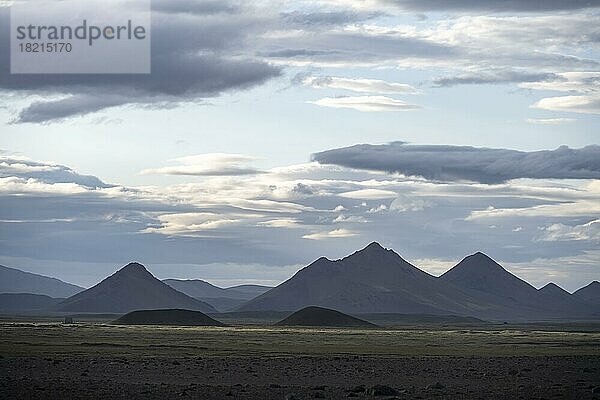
223,299
372,280
504,295
377,280
129,289
319,316
478,272
167,317
590,295
17,281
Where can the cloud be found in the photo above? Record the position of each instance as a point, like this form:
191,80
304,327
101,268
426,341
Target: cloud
405,203
561,232
369,194
585,87
280,223
351,219
19,186
379,209
210,164
359,85
493,77
492,5
585,104
567,209
192,224
366,103
301,19
455,163
550,121
45,172
334,234
577,82
195,55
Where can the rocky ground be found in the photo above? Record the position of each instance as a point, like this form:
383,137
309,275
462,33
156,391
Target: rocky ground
299,377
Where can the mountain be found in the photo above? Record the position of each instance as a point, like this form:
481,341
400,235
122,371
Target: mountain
553,290
167,317
376,280
507,296
129,289
15,302
372,280
16,281
223,299
480,273
318,316
590,295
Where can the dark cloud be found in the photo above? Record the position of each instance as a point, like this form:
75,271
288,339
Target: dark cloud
497,77
493,5
456,163
194,55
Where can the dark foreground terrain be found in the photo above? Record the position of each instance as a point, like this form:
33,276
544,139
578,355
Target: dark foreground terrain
93,360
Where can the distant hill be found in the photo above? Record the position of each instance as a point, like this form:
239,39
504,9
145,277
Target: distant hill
129,289
17,281
15,302
318,316
167,317
590,295
249,291
223,299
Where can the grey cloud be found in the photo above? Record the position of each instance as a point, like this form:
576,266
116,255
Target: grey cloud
312,19
193,57
455,163
493,5
495,77
79,104
204,7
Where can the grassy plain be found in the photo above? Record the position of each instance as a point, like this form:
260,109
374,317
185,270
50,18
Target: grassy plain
19,338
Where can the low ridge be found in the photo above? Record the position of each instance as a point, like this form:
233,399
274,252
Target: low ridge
319,316
176,317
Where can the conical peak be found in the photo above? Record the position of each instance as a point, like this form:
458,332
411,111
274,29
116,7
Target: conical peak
480,256
134,268
553,287
374,247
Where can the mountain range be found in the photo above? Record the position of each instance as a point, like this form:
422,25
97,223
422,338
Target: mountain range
377,280
223,299
373,280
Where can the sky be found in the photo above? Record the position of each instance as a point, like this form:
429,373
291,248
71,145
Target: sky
271,133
